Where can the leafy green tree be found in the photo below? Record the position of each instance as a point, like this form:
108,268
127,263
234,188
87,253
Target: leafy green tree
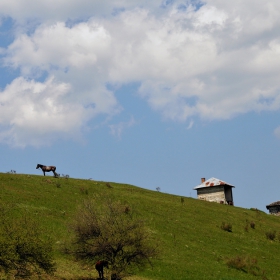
110,231
23,252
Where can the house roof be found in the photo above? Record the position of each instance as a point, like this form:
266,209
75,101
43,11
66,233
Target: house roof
212,182
277,203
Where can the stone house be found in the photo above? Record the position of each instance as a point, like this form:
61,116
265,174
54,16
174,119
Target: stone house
274,208
215,190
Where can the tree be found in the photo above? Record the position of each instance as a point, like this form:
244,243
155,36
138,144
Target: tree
110,231
23,252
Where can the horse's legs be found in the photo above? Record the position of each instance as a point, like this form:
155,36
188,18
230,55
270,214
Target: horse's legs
44,173
101,273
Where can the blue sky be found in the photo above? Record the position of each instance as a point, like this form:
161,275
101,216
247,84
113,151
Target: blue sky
151,94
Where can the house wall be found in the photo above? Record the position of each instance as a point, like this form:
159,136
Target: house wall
213,194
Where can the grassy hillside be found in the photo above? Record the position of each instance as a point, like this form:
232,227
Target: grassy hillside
192,243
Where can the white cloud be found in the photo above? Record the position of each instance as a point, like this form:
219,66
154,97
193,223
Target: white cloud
117,129
34,113
277,132
53,10
190,124
213,63
57,47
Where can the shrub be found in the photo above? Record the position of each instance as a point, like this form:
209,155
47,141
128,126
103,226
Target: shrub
84,190
244,263
226,227
252,225
270,234
182,200
112,233
23,252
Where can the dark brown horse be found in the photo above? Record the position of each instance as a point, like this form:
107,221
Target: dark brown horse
47,168
99,267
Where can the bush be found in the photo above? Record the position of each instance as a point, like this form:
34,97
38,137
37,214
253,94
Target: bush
226,227
84,190
270,234
252,225
23,252
245,264
111,232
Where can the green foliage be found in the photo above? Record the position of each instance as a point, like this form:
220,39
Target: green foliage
23,252
111,232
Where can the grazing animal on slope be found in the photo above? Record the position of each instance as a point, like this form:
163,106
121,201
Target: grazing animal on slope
47,169
99,267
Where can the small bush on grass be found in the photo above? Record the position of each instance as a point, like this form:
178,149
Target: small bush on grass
182,200
252,225
83,190
270,234
245,264
226,227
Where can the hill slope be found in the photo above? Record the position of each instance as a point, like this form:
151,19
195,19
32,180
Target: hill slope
193,245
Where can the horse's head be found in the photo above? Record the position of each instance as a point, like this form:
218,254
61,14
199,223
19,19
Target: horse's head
38,165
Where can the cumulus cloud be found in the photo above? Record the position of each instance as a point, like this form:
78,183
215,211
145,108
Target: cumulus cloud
210,61
67,10
35,113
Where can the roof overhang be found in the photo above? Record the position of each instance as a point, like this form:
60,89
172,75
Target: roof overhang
213,182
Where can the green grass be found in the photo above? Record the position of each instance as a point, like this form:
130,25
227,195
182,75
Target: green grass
192,242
